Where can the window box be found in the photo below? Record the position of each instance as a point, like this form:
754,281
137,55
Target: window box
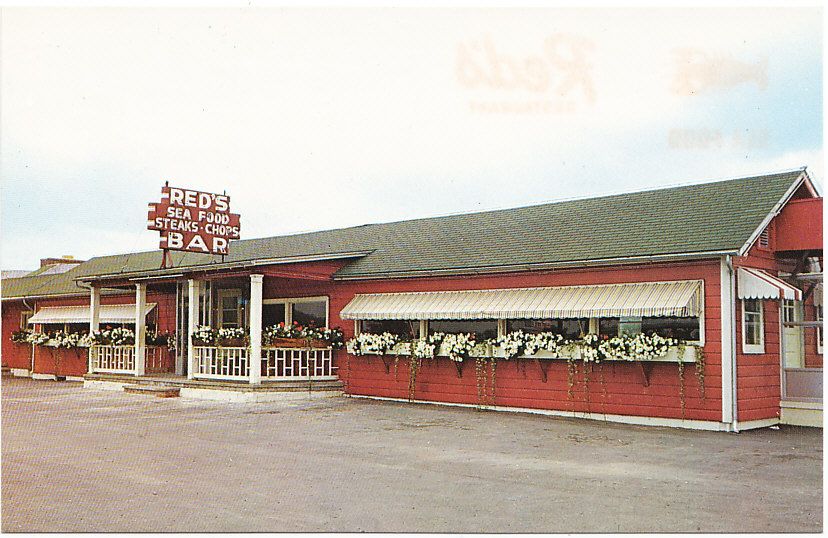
567,352
298,343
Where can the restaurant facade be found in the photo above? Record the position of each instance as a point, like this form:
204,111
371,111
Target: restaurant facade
697,306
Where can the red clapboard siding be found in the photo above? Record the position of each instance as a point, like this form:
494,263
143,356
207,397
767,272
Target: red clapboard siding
519,383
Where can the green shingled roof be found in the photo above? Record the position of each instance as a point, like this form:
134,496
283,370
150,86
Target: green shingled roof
709,217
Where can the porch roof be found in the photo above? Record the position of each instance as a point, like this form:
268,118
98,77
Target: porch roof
680,298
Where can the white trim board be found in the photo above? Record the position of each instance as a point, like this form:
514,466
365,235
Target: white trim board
622,419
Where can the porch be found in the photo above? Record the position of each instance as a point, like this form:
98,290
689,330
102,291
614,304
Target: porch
214,389
243,303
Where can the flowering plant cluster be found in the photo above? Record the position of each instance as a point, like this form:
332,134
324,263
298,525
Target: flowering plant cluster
626,347
458,346
333,336
59,339
119,336
231,336
21,336
369,343
37,339
161,339
592,347
521,343
204,335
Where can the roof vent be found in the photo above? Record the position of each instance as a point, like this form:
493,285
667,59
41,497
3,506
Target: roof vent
764,239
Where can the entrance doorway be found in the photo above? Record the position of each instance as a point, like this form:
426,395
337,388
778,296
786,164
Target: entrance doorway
794,341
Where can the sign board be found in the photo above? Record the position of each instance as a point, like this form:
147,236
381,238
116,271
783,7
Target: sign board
193,221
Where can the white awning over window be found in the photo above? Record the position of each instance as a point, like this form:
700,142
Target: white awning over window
122,313
757,284
683,298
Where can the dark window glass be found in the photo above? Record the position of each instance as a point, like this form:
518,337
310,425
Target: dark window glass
672,327
482,328
608,327
311,313
571,329
273,314
682,328
406,329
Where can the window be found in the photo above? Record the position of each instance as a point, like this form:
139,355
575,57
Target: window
307,311
230,308
819,329
24,319
406,329
310,313
789,311
568,328
753,337
273,314
687,329
481,328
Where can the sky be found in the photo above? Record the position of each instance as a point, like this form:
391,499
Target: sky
313,119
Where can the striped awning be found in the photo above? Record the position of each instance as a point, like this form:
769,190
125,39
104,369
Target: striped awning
682,298
121,313
758,284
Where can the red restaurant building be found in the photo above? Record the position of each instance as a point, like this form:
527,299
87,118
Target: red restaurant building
558,298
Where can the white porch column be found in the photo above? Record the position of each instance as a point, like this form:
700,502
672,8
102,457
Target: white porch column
140,327
192,321
94,320
94,308
256,328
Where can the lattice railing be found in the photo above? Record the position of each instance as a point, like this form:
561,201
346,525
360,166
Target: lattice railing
112,359
221,362
297,363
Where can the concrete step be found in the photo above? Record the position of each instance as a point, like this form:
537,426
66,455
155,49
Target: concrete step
161,392
299,385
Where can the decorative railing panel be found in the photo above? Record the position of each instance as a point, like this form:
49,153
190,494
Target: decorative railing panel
297,363
112,359
221,362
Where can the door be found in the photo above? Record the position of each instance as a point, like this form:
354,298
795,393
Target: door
793,336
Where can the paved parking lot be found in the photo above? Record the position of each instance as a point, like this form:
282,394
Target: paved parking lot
76,459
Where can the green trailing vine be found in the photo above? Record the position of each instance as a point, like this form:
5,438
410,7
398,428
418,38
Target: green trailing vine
414,366
480,379
396,363
571,366
493,369
700,370
681,387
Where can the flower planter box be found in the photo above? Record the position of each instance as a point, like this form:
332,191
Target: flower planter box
483,350
298,342
231,342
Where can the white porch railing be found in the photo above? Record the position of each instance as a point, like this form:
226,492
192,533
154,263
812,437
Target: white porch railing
297,363
221,362
121,359
112,359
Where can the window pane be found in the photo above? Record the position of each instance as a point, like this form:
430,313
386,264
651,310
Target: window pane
482,328
608,327
752,305
673,327
312,313
629,325
752,333
273,314
571,329
407,329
